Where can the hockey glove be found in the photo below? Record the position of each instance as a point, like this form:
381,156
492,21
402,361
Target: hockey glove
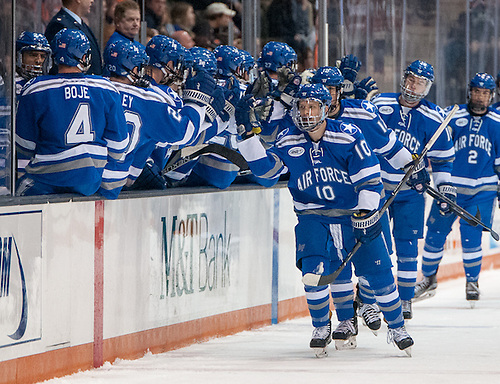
246,122
450,192
349,66
420,178
290,90
261,87
366,225
365,89
202,90
232,93
264,109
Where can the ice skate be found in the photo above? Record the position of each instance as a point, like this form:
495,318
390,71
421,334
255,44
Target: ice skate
407,311
426,288
401,338
369,313
345,334
472,292
321,337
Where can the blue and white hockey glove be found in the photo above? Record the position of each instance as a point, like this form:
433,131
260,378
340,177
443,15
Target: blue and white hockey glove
246,122
366,225
450,192
365,89
232,93
349,66
201,89
420,178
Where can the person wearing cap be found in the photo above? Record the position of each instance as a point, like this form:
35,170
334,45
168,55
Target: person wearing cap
214,30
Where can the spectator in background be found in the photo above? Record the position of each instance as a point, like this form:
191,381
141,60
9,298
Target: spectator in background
213,30
184,38
157,17
127,22
70,16
109,19
183,17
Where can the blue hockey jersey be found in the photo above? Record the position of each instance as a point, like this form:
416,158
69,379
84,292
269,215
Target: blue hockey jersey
71,126
331,177
476,168
414,127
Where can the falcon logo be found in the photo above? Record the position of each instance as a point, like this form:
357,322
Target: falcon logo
351,129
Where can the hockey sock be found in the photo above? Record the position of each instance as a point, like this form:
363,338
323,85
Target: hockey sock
343,297
365,292
407,252
318,302
387,297
472,259
433,252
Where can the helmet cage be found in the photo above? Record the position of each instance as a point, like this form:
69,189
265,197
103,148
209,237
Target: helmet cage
308,123
412,96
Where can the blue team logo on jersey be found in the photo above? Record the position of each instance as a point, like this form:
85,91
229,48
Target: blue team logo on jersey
351,129
367,106
282,133
316,155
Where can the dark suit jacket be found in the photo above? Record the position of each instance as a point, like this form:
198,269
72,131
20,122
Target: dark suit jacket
63,19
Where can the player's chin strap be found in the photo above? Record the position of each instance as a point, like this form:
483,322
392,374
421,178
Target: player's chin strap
317,280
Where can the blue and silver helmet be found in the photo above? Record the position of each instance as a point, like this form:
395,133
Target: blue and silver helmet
229,61
122,57
162,50
32,41
421,70
482,81
203,59
329,76
275,55
301,114
72,48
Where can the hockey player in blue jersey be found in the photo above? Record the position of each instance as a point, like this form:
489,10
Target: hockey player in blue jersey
414,119
69,146
497,83
382,140
335,186
151,119
476,170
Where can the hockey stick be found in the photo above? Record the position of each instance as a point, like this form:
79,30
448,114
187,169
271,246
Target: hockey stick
187,154
316,280
462,213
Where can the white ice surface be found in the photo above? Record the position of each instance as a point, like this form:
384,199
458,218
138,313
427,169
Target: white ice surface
453,344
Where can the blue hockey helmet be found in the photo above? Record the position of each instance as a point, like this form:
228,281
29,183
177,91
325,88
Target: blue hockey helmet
229,61
419,69
301,115
275,55
32,41
248,73
482,81
72,48
122,57
161,50
329,76
203,59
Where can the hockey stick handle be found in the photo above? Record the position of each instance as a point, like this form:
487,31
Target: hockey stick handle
461,212
315,280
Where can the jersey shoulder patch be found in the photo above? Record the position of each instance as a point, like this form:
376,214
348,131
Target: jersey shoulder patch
350,129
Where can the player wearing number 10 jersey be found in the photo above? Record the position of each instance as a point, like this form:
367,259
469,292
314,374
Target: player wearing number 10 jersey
70,125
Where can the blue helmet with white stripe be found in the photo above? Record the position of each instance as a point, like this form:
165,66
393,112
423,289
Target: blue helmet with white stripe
122,57
302,107
72,48
421,70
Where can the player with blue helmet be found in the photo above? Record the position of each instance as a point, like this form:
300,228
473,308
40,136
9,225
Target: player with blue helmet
475,130
204,59
382,140
414,120
335,185
70,146
33,56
